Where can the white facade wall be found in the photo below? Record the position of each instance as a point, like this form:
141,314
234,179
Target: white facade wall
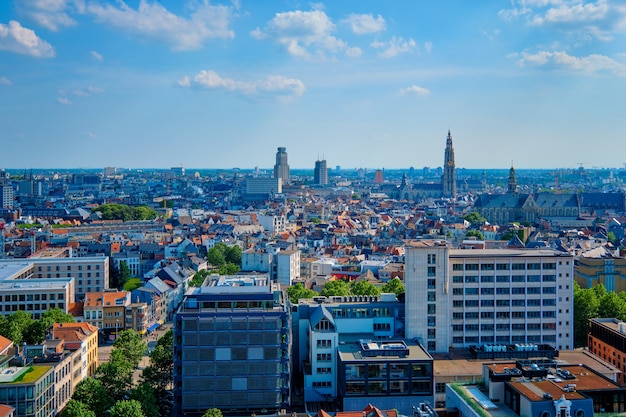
489,297
256,261
287,267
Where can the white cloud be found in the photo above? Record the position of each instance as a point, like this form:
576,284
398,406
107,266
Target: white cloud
51,14
273,84
5,81
64,100
89,91
428,46
600,19
153,21
396,46
304,34
96,56
16,38
365,23
415,90
591,64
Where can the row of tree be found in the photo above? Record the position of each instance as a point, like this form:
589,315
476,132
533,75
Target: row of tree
112,392
124,212
592,303
345,288
20,327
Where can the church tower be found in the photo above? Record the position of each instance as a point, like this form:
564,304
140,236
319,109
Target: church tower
512,181
449,170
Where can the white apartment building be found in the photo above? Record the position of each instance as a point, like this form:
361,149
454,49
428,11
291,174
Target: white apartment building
456,298
91,274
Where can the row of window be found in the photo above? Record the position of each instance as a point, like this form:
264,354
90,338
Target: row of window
471,279
68,268
518,266
31,307
34,297
503,290
503,303
523,338
503,314
503,326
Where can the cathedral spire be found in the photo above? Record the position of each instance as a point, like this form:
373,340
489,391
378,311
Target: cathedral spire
512,180
449,169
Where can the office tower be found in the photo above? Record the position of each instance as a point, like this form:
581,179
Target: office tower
449,170
378,176
232,347
456,298
6,196
320,174
281,169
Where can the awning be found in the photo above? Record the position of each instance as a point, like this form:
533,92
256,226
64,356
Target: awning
153,326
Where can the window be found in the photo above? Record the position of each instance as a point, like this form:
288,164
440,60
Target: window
502,267
502,290
487,303
534,266
518,278
432,345
503,315
518,267
457,316
549,290
518,303
503,278
432,258
533,278
471,315
431,321
432,271
533,290
324,343
549,278
431,284
471,267
487,267
472,279
471,291
486,314
457,279
550,265
486,278
432,333
432,309
471,303
323,370
503,303
432,296
486,291
457,267
518,290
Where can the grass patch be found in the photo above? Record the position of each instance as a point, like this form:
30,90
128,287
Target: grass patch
469,400
32,374
132,284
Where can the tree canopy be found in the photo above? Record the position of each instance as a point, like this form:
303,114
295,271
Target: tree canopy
364,288
338,287
213,412
131,345
298,291
77,409
395,286
474,217
475,233
226,260
124,212
127,408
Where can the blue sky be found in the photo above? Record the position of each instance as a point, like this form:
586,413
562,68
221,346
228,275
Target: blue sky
376,84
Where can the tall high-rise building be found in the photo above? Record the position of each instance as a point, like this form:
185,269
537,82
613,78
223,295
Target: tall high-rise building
320,174
449,170
379,176
281,169
6,196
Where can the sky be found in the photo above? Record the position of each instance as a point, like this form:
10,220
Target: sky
372,84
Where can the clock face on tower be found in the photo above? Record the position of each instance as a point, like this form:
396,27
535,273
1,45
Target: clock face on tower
450,163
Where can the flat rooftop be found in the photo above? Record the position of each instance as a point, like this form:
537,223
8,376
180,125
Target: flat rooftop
10,269
43,283
583,379
392,349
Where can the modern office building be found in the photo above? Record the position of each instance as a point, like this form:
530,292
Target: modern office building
6,196
30,390
352,349
232,345
457,298
281,168
607,340
320,173
90,273
262,188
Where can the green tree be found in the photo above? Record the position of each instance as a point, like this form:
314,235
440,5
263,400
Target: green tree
395,286
475,233
77,409
233,255
36,331
213,412
132,346
199,278
116,375
474,217
612,306
127,408
94,395
145,394
364,288
228,269
586,305
338,287
144,213
159,374
15,326
298,291
57,315
215,255
611,237
124,273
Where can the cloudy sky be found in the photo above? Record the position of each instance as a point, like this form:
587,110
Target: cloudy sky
376,84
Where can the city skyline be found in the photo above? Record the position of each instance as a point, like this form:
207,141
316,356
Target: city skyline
147,84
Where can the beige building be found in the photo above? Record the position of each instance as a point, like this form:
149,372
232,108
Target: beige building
106,310
82,338
597,266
